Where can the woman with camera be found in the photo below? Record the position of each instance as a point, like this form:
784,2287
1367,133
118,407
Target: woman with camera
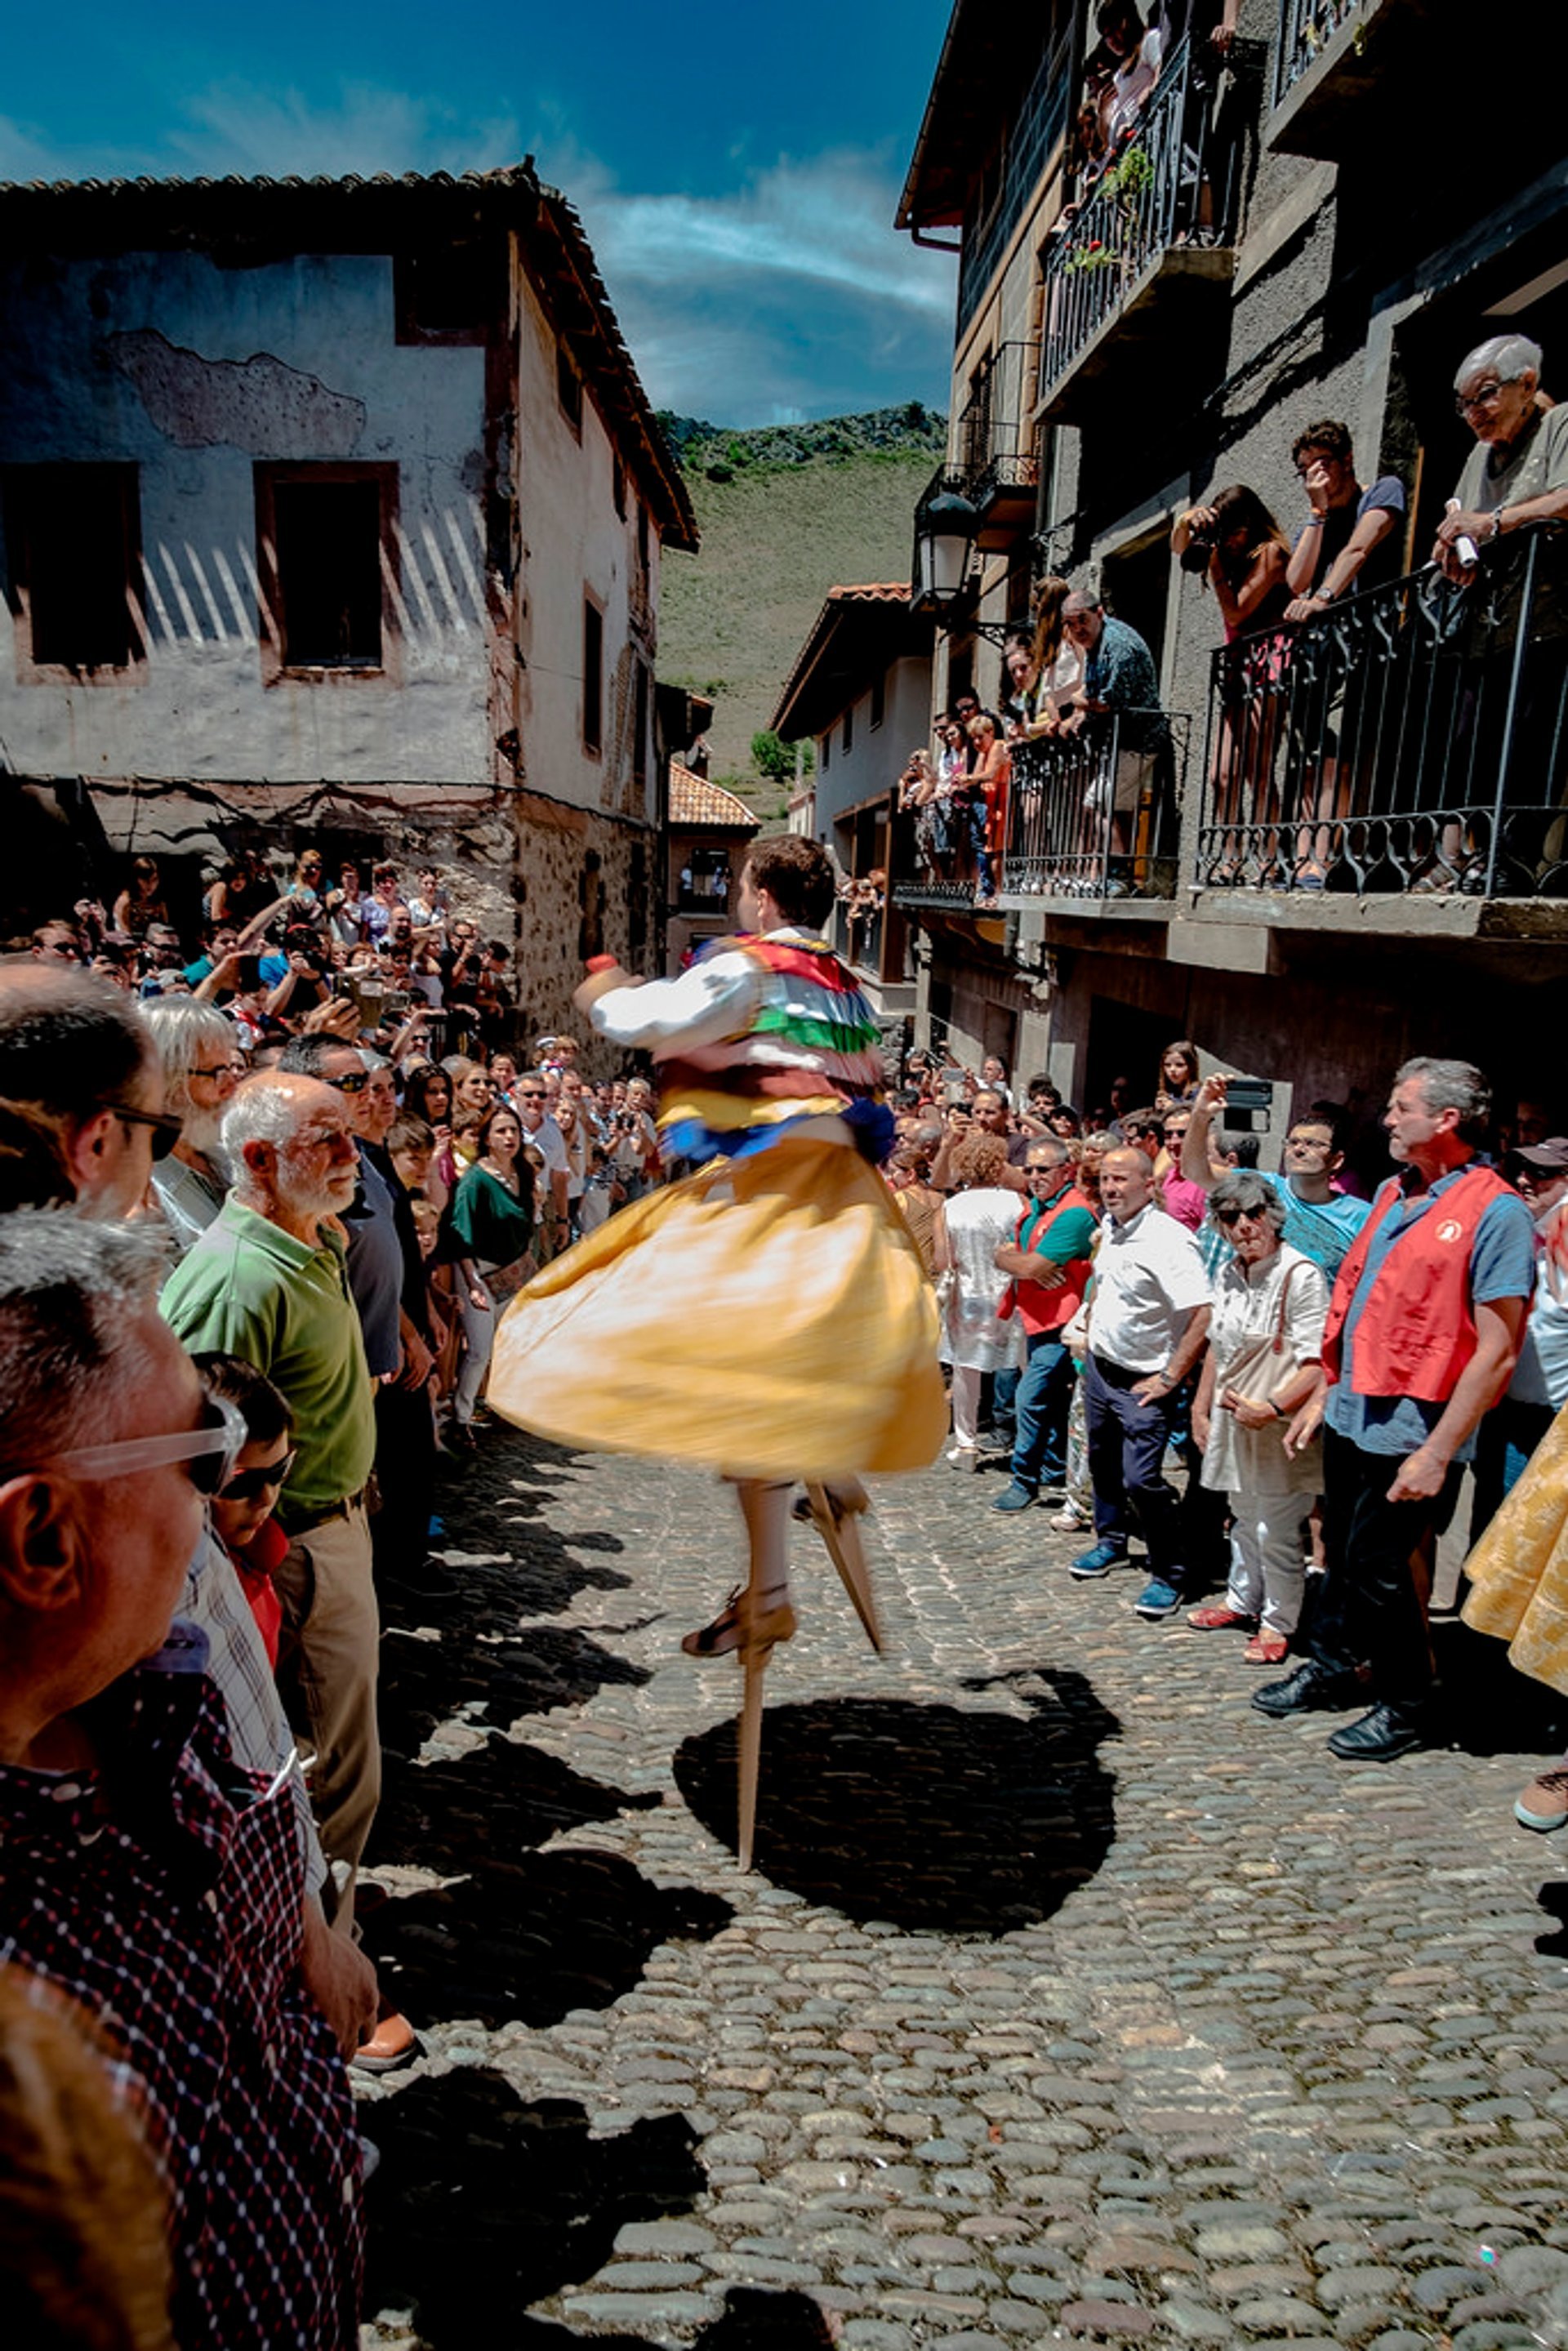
1237,548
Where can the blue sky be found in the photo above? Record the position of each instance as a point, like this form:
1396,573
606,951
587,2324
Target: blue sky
737,168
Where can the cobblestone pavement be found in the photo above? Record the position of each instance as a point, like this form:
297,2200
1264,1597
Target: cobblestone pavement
1072,1999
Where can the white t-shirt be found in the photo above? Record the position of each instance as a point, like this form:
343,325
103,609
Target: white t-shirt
1148,1277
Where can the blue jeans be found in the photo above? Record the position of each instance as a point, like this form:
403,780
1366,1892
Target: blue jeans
1127,1443
1044,1393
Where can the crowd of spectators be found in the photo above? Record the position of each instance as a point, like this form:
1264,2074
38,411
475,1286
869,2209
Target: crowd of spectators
255,1234
1080,679
1322,1348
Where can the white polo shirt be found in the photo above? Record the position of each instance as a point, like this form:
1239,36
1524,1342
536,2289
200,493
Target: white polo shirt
1148,1277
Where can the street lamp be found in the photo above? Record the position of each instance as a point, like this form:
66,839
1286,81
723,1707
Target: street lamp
944,544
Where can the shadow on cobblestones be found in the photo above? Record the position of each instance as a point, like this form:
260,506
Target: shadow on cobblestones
486,2202
527,1940
424,1683
922,1815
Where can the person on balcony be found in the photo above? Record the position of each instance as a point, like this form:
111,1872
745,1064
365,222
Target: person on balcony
1237,548
1134,52
1119,705
1518,472
989,781
1515,475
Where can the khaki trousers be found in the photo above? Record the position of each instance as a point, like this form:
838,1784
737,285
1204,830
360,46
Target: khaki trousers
327,1665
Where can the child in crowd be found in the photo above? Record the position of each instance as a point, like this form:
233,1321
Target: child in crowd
242,1514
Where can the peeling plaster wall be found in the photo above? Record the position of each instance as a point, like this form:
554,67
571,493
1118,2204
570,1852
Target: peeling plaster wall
574,542
193,371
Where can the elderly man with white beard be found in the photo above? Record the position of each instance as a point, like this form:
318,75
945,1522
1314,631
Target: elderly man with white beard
198,1049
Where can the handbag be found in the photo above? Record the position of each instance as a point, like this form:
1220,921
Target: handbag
1265,1363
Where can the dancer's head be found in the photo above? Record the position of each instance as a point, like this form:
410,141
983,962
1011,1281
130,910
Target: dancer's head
787,878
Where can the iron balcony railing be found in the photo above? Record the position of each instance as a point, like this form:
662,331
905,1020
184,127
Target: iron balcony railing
996,446
1413,737
1090,815
1170,182
1306,28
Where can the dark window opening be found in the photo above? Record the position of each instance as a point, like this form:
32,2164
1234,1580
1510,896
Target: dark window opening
619,486
592,676
879,697
850,729
442,293
74,536
569,388
642,536
328,540
824,754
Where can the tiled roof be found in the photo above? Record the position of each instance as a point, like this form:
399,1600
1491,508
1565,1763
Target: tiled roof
857,628
186,209
694,801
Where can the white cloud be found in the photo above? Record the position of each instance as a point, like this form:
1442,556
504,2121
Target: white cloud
788,294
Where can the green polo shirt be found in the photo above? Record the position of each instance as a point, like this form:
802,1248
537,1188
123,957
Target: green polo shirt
250,1289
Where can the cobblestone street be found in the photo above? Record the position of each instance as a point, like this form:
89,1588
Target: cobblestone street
1072,1999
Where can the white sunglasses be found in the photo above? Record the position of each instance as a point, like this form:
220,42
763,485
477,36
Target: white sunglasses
210,1452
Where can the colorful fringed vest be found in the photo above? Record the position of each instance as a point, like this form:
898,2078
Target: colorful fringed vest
812,1048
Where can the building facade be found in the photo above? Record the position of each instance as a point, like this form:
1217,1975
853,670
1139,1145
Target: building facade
1353,850
332,510
860,692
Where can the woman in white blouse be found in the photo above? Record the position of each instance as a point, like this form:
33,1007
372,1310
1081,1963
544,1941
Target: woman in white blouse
1264,1362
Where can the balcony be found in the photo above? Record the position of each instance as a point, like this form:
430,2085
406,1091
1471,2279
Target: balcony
1410,742
1145,256
1090,817
997,449
1340,67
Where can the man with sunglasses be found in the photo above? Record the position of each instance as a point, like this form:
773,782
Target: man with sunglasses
146,1874
86,1117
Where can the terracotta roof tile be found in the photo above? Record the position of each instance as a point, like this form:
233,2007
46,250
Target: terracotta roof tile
693,799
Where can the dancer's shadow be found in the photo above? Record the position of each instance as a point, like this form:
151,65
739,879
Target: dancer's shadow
1486,1705
527,1940
485,2202
1553,1900
924,1815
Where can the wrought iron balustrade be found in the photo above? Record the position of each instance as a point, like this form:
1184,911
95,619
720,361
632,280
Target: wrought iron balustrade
1173,183
1091,815
1413,737
1306,28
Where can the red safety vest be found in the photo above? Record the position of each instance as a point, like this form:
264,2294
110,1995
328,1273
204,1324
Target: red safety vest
1048,1309
1417,1326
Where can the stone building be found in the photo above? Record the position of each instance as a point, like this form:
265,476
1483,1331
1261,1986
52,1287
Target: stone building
332,511
708,833
1284,235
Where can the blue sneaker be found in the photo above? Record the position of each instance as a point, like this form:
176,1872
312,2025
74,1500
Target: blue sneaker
1099,1560
1016,1497
1158,1600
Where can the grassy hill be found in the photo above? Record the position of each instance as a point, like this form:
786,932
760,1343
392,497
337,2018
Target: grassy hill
787,512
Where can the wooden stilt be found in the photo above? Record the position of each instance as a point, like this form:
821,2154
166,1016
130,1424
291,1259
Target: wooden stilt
839,1530
753,1665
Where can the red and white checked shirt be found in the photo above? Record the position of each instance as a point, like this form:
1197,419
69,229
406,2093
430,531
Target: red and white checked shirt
161,1890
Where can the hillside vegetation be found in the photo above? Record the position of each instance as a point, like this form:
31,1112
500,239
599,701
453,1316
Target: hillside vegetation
787,512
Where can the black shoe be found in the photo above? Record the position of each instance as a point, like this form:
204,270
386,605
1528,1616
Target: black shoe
1378,1736
1310,1685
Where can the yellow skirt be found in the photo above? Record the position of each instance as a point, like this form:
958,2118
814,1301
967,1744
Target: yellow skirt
1518,1570
768,1317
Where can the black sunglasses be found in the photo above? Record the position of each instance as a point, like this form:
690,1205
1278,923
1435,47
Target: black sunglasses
249,1485
166,1129
353,1082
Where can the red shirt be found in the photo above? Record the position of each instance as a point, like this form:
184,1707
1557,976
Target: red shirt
253,1566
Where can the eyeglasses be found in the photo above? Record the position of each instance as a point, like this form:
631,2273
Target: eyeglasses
352,1081
208,1453
1308,1142
1465,401
223,1069
249,1485
166,1129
